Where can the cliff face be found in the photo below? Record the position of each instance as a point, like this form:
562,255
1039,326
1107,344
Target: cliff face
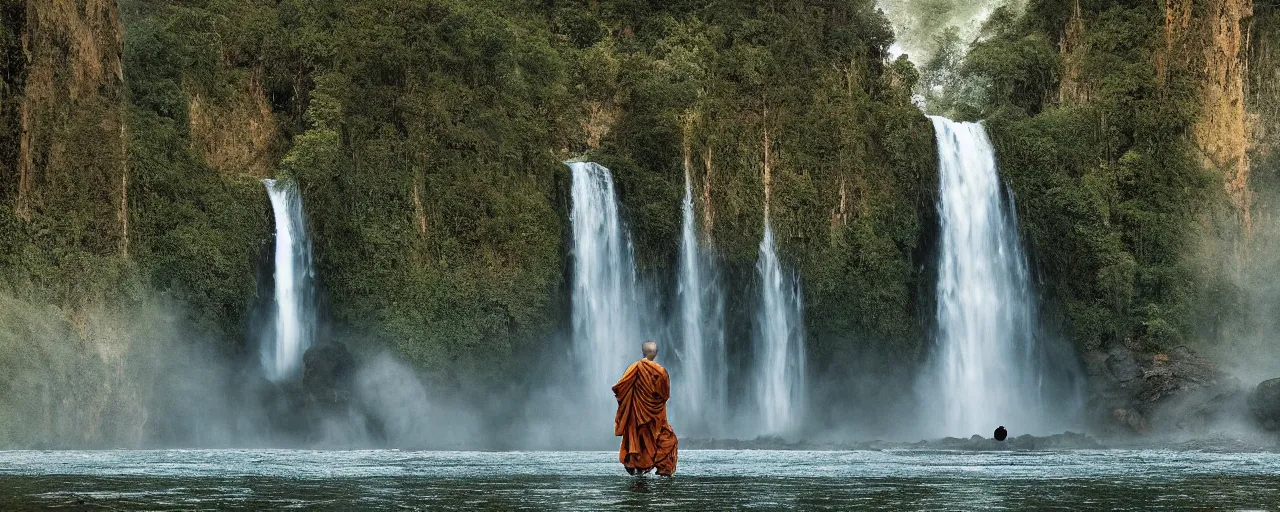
1262,100
825,153
428,135
65,184
1247,327
800,117
236,136
103,228
1145,223
71,128
1222,131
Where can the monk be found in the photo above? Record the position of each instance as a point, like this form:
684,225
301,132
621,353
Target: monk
647,439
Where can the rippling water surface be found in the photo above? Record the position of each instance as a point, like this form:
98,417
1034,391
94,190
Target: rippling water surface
706,479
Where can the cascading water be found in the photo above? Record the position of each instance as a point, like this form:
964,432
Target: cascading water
294,314
606,302
985,372
701,376
779,346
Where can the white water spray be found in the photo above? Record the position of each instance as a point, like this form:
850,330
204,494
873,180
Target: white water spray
294,314
985,374
701,376
607,306
779,344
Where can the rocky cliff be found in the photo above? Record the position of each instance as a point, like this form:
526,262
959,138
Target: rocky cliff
1116,155
427,136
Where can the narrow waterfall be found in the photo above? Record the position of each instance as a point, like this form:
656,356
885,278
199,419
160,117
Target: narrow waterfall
607,306
779,344
701,375
985,374
294,296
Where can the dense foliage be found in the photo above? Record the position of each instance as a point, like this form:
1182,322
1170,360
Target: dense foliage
1092,105
428,136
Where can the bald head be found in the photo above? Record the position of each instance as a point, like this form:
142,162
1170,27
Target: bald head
649,349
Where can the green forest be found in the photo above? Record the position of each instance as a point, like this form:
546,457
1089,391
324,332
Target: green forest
1139,139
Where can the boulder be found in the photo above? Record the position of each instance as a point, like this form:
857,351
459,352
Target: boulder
1175,372
1264,402
1147,391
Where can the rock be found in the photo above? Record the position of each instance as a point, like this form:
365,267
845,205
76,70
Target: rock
1071,440
1130,418
1207,409
1164,391
1179,371
1121,364
1264,402
1095,363
327,372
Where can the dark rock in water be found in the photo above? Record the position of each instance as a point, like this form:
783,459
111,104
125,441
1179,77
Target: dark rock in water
1001,433
1064,441
1264,402
327,374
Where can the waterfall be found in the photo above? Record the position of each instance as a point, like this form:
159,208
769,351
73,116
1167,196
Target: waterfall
985,374
779,343
607,306
294,314
701,376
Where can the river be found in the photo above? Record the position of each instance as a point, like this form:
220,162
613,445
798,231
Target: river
706,479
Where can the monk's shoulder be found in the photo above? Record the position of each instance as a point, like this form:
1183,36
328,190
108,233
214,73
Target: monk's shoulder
654,365
632,369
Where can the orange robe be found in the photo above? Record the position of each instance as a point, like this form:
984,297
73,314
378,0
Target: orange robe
647,439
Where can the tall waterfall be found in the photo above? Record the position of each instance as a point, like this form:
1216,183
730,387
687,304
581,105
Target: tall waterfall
607,305
702,374
294,295
985,372
779,343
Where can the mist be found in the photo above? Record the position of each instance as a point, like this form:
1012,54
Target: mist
141,377
1242,327
919,25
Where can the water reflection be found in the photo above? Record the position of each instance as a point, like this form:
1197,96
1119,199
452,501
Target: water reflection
392,480
641,484
650,485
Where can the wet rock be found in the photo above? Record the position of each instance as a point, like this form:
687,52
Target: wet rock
1130,418
1179,370
1264,402
1064,441
1221,403
1095,363
1145,392
1121,364
327,374
1068,440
